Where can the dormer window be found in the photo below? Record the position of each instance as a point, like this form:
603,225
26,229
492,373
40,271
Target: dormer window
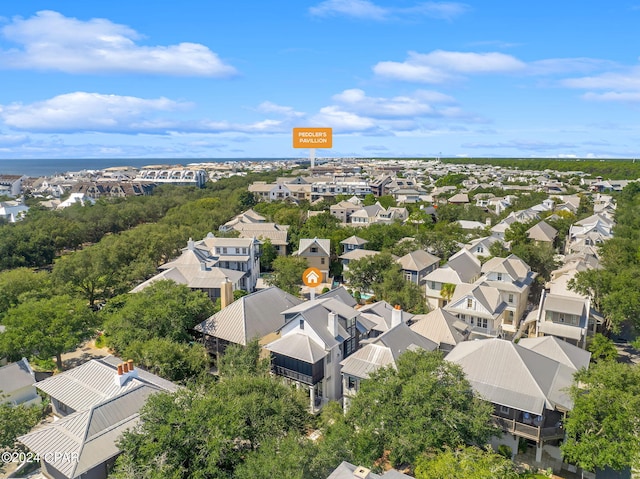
499,275
314,249
469,303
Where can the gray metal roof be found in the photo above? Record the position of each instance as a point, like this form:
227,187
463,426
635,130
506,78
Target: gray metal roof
91,383
508,374
341,294
440,326
298,346
564,304
323,244
561,351
562,330
347,470
89,435
15,376
356,254
384,312
249,317
385,351
354,240
417,260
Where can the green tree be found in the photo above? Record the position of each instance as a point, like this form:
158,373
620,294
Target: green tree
174,361
208,431
287,273
16,284
247,200
162,310
447,290
269,254
16,421
46,328
426,403
603,428
364,273
465,463
240,360
602,348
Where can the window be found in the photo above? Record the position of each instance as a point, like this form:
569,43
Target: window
314,249
482,322
499,276
302,324
505,410
471,320
352,382
480,249
469,303
433,285
224,250
322,260
408,276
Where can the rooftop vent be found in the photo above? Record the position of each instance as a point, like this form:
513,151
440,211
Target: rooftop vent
361,472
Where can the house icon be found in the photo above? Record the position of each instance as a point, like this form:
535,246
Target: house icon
311,277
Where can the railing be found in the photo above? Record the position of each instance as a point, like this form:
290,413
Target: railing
536,433
291,374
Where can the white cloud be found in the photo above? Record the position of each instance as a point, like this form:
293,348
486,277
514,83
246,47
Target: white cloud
52,41
82,111
286,111
607,81
417,105
439,65
626,97
366,10
350,8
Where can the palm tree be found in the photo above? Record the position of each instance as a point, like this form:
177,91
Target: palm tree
447,291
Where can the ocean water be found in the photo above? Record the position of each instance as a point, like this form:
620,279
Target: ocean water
49,167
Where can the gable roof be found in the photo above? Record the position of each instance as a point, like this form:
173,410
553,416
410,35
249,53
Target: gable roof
512,265
542,231
505,373
354,240
341,294
559,350
89,436
252,316
15,376
298,346
93,382
306,243
489,297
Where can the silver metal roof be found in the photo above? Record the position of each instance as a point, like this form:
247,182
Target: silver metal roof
298,346
249,317
508,374
559,350
440,326
417,260
15,376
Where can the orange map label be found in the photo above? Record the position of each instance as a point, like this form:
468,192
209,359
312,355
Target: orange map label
312,137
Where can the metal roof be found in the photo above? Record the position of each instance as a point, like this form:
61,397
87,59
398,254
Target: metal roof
417,260
341,294
298,346
251,316
564,304
15,376
354,240
561,330
89,435
440,326
561,351
508,374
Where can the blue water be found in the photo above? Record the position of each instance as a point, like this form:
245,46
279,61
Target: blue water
38,167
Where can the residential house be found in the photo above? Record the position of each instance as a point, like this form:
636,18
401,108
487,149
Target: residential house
346,470
254,316
315,337
479,247
462,268
589,231
481,307
95,403
236,254
528,386
197,268
11,185
277,235
352,242
459,199
317,252
12,211
355,255
343,210
377,318
542,232
569,318
17,384
249,216
379,352
378,214
513,278
417,265
441,327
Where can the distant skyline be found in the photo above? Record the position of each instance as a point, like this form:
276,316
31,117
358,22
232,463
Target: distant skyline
200,79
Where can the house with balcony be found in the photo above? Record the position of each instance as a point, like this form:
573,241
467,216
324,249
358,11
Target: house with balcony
528,386
315,337
236,254
379,352
513,278
479,306
569,318
254,316
462,268
317,252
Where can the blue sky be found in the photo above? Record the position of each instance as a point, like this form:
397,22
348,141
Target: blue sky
203,79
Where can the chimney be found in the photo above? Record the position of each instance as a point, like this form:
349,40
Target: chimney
332,324
487,222
396,316
125,371
191,244
226,293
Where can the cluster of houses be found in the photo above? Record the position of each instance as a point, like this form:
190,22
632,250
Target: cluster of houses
519,355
